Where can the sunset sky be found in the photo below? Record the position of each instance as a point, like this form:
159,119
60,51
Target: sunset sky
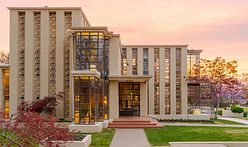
219,27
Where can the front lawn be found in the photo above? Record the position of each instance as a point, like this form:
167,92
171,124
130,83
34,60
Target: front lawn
161,137
102,139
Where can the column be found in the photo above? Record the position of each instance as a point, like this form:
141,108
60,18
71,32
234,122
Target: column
184,95
143,99
29,53
129,62
162,81
13,61
113,99
151,81
173,80
140,61
60,60
44,53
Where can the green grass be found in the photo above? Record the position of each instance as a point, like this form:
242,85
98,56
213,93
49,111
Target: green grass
221,121
102,139
161,137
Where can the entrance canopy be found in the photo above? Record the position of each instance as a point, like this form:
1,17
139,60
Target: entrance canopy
124,78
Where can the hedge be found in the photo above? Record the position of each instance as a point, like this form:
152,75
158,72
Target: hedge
237,109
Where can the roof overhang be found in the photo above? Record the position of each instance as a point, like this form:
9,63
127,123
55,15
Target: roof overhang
124,78
95,29
85,73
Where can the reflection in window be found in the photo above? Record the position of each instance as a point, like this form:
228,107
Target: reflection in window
178,81
6,92
134,61
156,81
167,80
145,61
89,51
124,61
85,100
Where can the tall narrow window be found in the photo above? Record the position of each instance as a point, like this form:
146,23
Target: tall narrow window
156,81
134,61
36,79
52,55
145,61
6,92
67,49
124,61
21,55
167,80
178,81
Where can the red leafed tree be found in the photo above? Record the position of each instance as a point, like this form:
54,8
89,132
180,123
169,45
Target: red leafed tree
30,129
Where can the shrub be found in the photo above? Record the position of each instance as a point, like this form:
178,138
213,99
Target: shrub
237,109
220,112
245,114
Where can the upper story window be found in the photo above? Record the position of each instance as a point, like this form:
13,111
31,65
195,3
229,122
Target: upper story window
89,53
193,61
124,61
145,61
134,61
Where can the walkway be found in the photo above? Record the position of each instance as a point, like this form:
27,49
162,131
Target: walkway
129,138
211,125
234,119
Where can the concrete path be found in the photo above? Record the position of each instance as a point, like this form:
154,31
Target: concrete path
212,125
234,119
129,138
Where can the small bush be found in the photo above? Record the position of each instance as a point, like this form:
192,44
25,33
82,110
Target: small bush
220,112
237,109
245,114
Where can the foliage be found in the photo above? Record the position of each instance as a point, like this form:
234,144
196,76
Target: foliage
46,105
237,109
245,114
4,56
220,112
161,137
30,129
221,75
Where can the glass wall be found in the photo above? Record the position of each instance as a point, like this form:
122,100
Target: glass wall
91,53
85,100
6,92
167,80
124,61
156,81
178,81
134,61
145,61
193,61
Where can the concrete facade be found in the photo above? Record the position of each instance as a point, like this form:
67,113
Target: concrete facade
79,23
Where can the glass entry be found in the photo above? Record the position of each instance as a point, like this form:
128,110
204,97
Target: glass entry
129,94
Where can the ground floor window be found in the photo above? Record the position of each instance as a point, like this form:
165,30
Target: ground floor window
129,94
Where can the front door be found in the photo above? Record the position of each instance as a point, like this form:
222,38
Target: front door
129,103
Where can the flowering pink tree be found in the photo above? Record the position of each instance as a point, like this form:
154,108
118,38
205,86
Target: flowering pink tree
221,75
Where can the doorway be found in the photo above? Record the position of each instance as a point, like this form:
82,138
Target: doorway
129,102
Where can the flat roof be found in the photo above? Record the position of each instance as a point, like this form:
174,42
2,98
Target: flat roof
157,45
44,8
51,8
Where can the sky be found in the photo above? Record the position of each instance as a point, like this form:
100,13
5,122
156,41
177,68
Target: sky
218,27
